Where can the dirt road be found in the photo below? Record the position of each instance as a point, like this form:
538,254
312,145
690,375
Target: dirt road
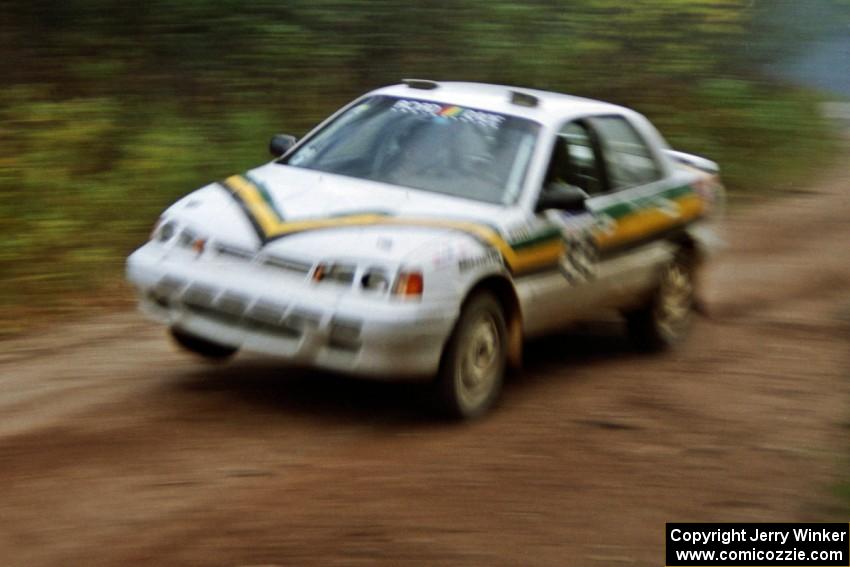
117,450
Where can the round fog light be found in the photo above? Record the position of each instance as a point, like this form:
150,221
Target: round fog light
375,280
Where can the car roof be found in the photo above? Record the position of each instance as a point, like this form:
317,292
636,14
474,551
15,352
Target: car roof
551,107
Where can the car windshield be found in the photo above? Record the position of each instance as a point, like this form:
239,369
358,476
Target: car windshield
425,145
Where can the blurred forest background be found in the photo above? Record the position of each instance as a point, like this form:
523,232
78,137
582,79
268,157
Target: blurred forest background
110,110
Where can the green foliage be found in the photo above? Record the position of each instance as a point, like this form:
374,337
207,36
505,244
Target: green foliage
110,110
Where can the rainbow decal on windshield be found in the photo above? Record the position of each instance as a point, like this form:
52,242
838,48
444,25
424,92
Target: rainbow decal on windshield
450,111
437,110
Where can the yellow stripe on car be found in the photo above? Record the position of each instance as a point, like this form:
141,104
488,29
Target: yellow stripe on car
248,193
272,226
650,220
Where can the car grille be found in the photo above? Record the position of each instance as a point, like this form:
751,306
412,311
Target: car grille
234,252
260,315
288,265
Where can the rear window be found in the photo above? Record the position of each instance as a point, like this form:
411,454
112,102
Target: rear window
627,156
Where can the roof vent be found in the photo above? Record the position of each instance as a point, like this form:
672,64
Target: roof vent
524,99
423,84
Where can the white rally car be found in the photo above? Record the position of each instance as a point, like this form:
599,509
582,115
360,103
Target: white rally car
426,229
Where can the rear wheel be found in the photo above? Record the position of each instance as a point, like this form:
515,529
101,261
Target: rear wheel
473,365
666,318
201,347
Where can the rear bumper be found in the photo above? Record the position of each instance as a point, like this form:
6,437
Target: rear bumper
326,328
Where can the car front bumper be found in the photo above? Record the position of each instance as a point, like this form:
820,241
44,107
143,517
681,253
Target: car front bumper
308,324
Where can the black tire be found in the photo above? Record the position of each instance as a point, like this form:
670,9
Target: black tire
665,319
201,347
473,365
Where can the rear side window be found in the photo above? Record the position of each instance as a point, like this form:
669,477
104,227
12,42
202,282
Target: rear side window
627,156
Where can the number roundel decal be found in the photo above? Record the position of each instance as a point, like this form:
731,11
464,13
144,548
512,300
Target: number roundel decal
578,262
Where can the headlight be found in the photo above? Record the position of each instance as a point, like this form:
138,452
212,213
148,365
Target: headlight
186,238
341,273
163,231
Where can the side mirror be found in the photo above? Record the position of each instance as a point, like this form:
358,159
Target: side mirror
561,196
281,143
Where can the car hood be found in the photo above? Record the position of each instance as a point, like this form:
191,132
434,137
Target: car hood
298,195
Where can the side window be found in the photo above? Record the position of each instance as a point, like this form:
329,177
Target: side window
584,170
628,159
574,160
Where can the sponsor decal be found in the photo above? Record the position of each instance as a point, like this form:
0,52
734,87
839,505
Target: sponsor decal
449,111
491,257
668,207
578,263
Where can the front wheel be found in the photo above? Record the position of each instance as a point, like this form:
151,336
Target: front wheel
666,318
473,365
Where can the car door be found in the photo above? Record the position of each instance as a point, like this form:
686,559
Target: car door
572,290
614,244
633,216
